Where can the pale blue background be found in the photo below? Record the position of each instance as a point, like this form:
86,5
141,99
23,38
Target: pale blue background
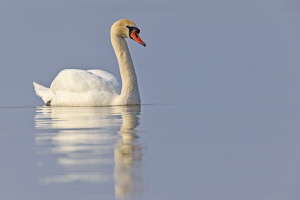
219,82
197,51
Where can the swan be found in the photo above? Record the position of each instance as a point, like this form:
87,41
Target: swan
76,87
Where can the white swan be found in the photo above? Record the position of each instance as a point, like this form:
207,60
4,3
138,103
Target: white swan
75,87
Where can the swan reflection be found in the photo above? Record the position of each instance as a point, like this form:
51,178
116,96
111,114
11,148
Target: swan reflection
85,144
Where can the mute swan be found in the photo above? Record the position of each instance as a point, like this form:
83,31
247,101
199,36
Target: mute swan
75,87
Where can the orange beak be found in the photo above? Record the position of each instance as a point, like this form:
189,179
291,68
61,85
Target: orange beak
135,36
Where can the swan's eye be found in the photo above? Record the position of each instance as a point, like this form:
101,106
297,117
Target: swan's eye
130,28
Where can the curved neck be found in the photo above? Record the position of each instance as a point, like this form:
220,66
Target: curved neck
130,90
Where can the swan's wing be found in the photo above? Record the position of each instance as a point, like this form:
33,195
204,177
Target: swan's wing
82,81
105,75
111,79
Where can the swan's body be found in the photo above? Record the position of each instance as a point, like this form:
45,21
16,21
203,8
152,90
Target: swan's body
75,87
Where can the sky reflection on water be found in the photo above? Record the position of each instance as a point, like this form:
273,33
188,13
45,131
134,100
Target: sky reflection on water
210,151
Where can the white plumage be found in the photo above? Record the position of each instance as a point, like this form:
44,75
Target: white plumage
75,87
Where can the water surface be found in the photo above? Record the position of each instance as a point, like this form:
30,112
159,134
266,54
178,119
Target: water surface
75,153
210,151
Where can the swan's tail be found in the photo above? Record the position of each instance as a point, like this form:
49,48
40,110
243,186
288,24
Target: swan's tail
43,92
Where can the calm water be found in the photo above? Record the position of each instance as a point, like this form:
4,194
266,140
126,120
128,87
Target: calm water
219,82
209,151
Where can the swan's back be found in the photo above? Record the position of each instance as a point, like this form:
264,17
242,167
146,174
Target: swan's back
81,81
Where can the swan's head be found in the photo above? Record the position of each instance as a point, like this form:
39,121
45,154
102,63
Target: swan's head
127,29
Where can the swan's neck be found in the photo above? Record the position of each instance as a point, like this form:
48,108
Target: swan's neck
130,90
